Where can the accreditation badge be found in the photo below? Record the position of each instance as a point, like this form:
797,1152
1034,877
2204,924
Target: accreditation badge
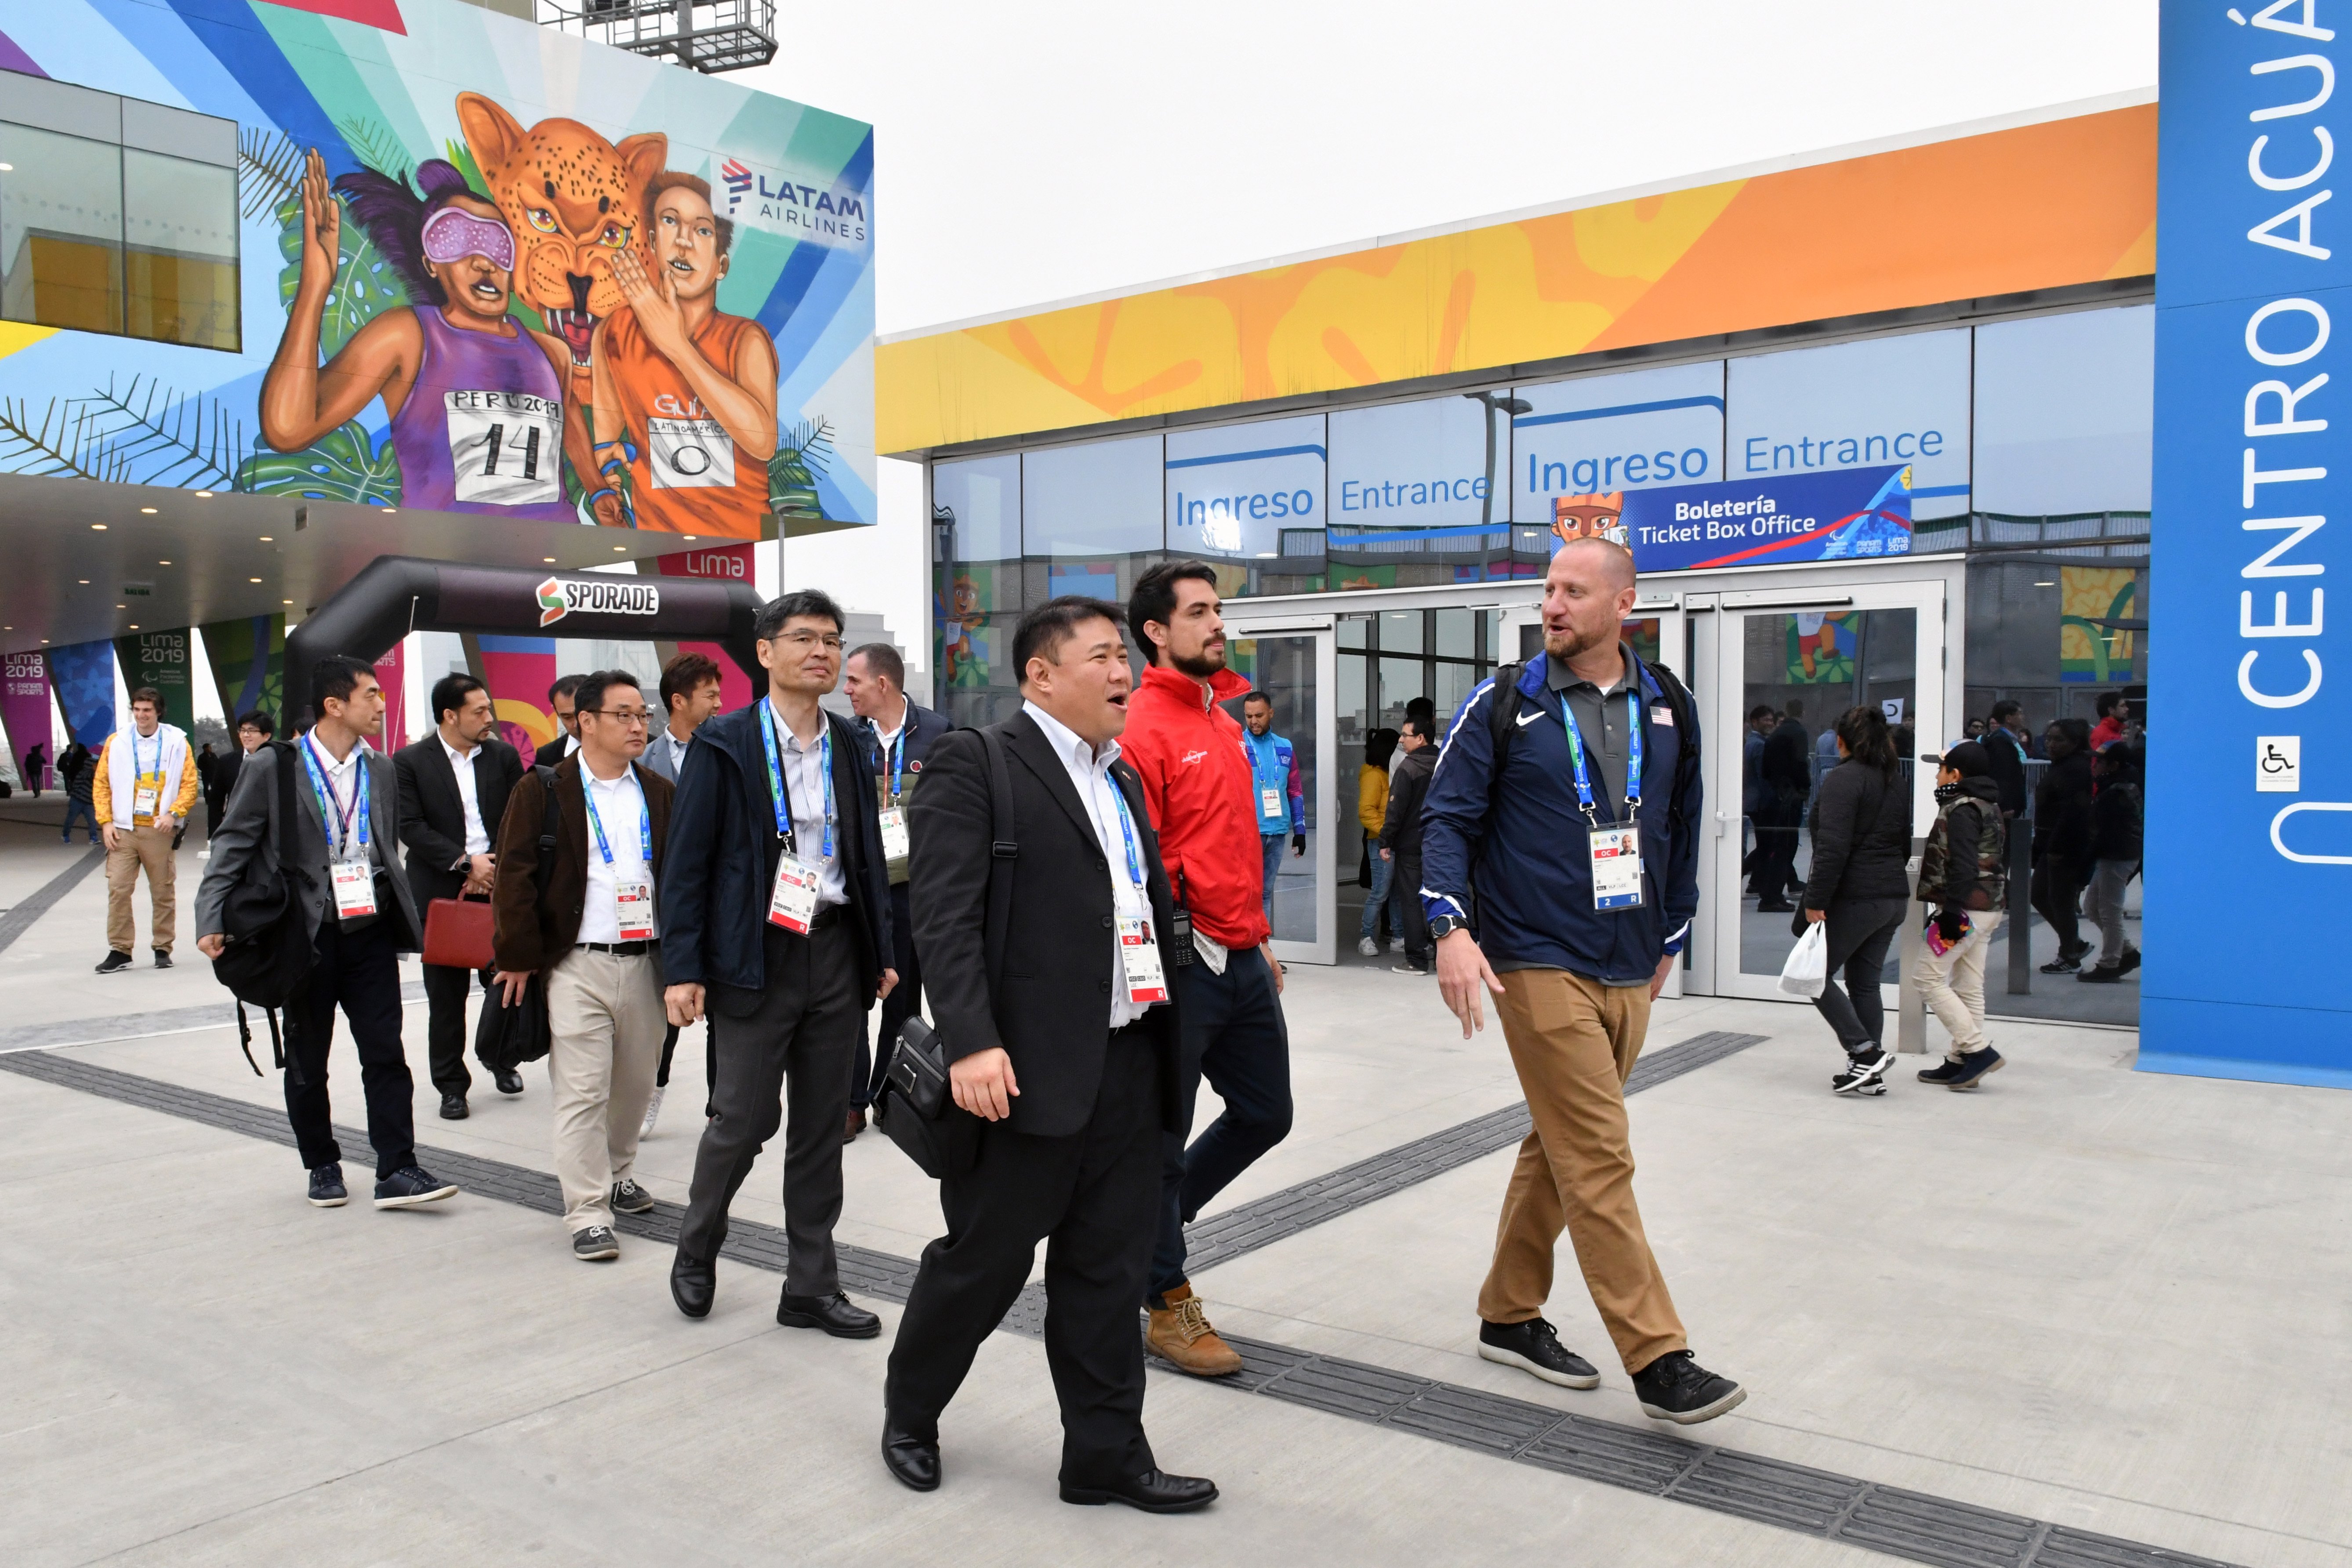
895,844
144,798
791,903
1147,982
633,911
354,885
1616,852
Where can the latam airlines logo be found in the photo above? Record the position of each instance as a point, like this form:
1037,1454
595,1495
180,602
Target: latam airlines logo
827,214
559,596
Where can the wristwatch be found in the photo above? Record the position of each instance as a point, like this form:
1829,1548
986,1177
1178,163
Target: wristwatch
1444,925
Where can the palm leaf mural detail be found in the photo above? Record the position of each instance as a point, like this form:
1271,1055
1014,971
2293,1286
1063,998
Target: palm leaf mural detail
269,167
344,465
66,440
366,286
160,437
377,147
802,456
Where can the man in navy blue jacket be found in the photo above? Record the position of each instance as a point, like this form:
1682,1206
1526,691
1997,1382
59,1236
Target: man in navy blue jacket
1580,857
775,916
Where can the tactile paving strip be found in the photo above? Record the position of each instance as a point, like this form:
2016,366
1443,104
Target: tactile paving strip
1231,1232
1654,1461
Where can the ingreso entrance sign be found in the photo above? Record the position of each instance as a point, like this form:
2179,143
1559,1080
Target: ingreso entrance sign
2249,841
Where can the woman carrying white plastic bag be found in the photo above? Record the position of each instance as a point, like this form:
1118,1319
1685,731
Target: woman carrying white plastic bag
1808,969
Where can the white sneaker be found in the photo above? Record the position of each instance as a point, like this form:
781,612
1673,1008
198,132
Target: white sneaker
1368,947
1396,945
653,1111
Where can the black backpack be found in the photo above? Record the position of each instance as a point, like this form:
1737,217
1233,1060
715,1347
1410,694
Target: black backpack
1502,716
270,951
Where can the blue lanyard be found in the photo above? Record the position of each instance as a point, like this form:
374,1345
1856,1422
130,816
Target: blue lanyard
777,794
135,766
1127,830
645,820
894,756
339,821
1634,758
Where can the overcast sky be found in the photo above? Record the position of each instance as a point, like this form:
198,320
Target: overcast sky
1029,152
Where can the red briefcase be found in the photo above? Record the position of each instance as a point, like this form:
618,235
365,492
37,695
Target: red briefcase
457,933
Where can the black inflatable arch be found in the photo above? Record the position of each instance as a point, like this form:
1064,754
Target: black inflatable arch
396,594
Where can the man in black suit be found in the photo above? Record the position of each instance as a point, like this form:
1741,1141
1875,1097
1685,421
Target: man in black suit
775,915
1787,765
561,699
453,792
1064,1062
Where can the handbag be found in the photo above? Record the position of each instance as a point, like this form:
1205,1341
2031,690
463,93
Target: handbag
915,1107
457,933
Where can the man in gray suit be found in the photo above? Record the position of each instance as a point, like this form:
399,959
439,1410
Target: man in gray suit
361,916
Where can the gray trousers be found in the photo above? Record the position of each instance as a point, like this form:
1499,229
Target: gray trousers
2105,906
798,1035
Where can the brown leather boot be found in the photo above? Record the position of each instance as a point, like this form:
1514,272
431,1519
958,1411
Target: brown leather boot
1180,1333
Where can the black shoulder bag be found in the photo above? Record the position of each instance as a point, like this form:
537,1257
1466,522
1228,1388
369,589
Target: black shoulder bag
915,1107
268,952
522,1033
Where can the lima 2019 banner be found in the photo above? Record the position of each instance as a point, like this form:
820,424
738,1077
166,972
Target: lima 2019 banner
1846,514
506,237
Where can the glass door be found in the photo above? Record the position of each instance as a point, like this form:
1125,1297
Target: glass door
1292,662
1787,665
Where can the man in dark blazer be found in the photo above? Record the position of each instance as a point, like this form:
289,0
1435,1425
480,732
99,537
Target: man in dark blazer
776,918
1063,1066
449,825
562,700
899,734
360,918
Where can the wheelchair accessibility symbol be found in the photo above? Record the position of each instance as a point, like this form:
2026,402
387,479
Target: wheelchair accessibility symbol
2278,764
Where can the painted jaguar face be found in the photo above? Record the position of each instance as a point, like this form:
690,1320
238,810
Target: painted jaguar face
573,201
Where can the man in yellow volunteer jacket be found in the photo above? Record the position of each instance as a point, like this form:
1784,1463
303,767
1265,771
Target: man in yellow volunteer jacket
144,789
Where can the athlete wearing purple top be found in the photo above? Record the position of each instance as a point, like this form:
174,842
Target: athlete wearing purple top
475,398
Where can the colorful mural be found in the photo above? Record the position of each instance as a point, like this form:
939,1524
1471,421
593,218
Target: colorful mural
248,660
2073,201
480,268
2091,600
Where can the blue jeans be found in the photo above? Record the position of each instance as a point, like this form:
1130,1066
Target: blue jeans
82,809
1234,1035
1270,846
1376,899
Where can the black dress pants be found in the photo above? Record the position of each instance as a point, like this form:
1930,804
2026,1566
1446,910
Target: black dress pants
906,999
445,990
1089,1197
796,1034
1776,832
2057,893
359,971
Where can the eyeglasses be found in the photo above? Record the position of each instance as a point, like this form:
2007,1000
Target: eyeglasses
624,715
802,641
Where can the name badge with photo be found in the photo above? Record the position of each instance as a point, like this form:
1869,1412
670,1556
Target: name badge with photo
505,448
690,454
1147,981
1616,867
143,800
633,911
354,885
791,903
895,844
1269,804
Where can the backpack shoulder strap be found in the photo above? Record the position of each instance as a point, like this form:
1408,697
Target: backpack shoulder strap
1502,715
1002,848
289,864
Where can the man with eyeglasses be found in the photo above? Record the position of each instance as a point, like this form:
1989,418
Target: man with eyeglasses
586,916
776,919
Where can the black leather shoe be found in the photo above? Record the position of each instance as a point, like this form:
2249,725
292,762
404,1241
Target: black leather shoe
834,1314
1153,1491
509,1081
453,1108
914,1460
692,1284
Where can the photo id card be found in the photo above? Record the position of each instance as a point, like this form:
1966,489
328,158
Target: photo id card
354,885
1147,982
792,904
1617,867
633,911
143,798
1269,804
895,844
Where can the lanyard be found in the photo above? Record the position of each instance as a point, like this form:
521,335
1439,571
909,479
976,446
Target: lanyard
777,794
339,821
136,766
1634,759
1127,830
893,755
645,820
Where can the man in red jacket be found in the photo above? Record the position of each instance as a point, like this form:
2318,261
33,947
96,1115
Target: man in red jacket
1197,782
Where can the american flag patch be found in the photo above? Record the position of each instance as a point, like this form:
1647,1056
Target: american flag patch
1663,716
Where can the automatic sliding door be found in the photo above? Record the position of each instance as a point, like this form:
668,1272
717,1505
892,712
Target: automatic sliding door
1294,670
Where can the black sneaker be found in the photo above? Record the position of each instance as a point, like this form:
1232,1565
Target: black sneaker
327,1189
2131,960
114,964
630,1198
409,1186
1534,1347
2064,963
1943,1072
163,959
1410,967
1676,1388
1774,906
2101,974
1864,1074
1974,1069
594,1245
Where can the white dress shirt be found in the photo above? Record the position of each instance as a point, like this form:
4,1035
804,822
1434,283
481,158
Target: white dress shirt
620,807
803,769
477,837
1089,774
343,801
673,750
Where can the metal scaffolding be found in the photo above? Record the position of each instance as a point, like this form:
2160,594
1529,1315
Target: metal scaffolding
707,36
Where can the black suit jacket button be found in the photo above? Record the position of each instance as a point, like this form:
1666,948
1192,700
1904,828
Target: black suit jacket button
1105,984
1105,923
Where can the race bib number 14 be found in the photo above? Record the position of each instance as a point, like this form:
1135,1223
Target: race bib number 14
505,448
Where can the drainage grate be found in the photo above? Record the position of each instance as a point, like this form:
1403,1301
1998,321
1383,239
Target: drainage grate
1236,1231
1814,1502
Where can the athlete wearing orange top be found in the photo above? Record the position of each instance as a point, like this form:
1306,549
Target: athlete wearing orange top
685,394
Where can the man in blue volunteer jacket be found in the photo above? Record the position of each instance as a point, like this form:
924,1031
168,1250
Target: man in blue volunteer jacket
1579,854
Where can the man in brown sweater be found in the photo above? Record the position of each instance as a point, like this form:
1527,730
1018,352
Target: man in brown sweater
584,914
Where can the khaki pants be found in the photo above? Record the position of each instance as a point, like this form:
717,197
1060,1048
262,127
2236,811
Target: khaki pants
1573,1041
605,1024
1953,985
134,847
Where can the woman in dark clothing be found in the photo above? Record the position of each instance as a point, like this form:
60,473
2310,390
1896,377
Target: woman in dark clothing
2061,839
2116,840
1862,838
77,768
